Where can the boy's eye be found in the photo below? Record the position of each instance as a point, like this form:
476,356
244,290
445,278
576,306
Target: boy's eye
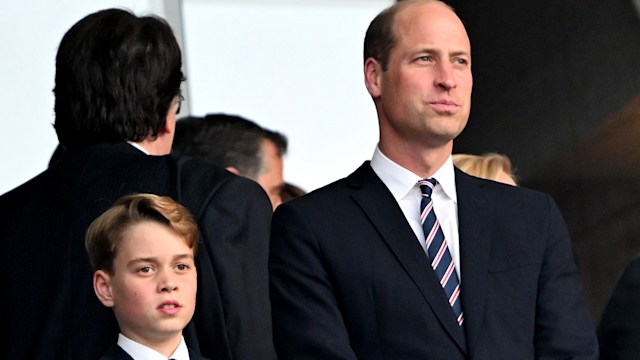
145,269
182,266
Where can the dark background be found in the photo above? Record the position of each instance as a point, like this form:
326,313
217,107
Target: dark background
557,89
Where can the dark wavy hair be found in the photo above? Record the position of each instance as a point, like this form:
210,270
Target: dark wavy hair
116,77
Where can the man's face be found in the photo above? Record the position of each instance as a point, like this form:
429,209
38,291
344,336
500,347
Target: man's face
271,179
424,96
154,283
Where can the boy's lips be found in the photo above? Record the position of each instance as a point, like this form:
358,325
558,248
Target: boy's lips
169,307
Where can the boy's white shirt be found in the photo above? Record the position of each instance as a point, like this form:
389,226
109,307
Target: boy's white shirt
141,352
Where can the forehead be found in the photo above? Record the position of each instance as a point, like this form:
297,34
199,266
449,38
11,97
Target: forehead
430,24
150,238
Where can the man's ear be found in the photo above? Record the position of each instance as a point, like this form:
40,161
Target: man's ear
102,287
233,170
372,77
169,126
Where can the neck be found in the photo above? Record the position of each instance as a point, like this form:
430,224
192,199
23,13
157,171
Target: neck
158,146
423,162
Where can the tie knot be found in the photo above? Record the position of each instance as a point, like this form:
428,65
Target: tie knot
426,186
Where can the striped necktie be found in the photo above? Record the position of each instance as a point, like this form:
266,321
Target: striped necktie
437,249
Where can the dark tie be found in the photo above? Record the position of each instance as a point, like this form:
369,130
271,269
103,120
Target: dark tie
437,249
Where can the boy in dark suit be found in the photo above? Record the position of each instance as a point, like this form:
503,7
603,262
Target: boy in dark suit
143,251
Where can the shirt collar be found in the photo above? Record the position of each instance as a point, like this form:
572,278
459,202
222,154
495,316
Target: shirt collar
182,352
401,181
447,179
138,146
139,351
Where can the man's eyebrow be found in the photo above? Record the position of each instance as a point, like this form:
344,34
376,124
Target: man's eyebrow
429,50
460,52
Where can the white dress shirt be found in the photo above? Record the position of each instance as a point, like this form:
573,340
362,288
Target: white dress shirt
138,146
141,352
402,184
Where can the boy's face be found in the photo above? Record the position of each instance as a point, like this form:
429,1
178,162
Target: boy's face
153,289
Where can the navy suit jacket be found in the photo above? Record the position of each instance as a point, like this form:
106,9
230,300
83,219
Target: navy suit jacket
115,352
51,310
619,329
350,281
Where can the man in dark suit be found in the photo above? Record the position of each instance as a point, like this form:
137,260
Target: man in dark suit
117,92
408,257
237,144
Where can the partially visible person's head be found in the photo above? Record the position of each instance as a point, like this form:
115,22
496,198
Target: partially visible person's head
417,65
143,251
490,166
117,78
271,177
237,144
290,191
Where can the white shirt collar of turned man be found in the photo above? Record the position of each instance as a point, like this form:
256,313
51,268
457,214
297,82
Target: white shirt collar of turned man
139,147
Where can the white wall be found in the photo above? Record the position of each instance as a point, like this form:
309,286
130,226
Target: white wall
293,66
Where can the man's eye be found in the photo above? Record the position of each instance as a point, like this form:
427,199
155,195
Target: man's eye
182,267
424,58
461,61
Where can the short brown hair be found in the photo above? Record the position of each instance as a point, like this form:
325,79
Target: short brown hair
380,38
106,232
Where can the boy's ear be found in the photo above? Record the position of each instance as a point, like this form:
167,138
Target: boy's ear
102,287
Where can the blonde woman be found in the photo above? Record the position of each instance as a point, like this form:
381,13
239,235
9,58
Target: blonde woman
490,166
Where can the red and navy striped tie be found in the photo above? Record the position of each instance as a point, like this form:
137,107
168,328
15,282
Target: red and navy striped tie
438,251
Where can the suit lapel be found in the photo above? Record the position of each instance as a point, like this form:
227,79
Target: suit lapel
475,243
377,202
193,355
115,352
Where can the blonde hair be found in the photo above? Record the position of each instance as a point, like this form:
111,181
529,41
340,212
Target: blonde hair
106,232
486,166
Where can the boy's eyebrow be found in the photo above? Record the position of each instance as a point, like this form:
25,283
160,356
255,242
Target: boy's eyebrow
155,259
183,256
142,259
